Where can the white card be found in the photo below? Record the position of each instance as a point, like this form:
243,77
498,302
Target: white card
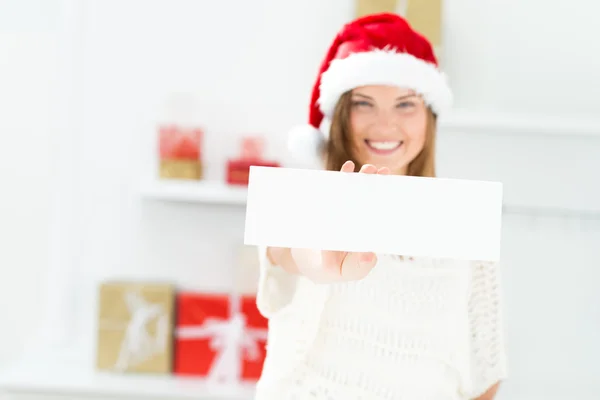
385,214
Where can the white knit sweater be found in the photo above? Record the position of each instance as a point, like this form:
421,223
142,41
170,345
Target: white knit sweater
412,329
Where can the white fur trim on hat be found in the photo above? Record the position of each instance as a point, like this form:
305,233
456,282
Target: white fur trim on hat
384,67
305,143
325,127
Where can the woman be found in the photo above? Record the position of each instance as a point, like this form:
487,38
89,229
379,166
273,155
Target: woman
347,326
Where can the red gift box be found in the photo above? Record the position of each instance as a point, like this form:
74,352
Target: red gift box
220,337
180,152
238,170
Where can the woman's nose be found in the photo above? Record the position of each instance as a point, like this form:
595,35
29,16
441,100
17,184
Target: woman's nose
386,123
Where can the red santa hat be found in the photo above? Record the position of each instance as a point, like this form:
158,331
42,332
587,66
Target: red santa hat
379,49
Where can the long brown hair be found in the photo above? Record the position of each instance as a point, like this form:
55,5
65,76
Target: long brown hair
337,149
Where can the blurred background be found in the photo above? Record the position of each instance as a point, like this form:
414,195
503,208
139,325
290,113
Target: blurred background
87,87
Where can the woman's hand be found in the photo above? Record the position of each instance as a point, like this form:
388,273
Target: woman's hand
333,266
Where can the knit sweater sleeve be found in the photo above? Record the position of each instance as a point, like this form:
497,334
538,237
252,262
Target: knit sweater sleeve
276,287
487,358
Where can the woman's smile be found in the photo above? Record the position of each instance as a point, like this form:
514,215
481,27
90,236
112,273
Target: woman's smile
383,148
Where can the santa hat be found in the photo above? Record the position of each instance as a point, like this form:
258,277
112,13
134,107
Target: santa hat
379,49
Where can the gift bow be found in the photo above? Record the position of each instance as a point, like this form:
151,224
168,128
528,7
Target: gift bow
179,142
231,339
139,345
252,148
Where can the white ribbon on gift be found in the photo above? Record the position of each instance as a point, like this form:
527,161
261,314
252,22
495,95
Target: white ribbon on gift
139,345
402,7
232,339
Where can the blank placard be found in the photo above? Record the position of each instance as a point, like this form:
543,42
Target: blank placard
385,214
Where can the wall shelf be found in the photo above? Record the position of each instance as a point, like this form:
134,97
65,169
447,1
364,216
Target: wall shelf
458,121
189,191
51,374
509,123
215,192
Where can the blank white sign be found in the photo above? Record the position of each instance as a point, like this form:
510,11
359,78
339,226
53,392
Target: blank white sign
385,214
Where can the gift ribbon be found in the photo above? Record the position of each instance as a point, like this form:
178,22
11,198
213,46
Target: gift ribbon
402,7
231,339
177,141
139,345
252,148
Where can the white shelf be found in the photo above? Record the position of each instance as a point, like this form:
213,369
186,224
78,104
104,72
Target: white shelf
457,121
209,192
62,376
523,124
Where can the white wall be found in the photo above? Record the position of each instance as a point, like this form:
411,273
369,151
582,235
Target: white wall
251,71
27,124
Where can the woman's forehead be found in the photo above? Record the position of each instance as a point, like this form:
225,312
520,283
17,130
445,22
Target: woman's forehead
383,90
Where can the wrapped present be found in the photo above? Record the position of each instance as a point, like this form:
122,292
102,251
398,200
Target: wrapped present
252,149
135,327
425,16
219,337
180,152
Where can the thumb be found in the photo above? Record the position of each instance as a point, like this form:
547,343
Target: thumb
357,265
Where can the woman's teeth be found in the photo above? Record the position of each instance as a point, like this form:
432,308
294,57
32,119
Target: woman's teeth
384,145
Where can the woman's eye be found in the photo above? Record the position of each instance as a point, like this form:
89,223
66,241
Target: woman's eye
406,104
361,103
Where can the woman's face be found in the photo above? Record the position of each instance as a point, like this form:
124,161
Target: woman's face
388,126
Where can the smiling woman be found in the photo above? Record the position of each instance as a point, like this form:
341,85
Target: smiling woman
385,126
350,325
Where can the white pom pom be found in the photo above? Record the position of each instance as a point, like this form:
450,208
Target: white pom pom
304,144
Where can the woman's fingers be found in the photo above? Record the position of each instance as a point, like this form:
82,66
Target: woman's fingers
338,265
348,167
357,265
331,260
368,169
341,266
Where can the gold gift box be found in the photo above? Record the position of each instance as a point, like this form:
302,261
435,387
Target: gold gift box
135,327
181,169
425,16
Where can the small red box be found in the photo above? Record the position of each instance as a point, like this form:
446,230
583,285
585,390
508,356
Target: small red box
219,337
180,152
238,170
